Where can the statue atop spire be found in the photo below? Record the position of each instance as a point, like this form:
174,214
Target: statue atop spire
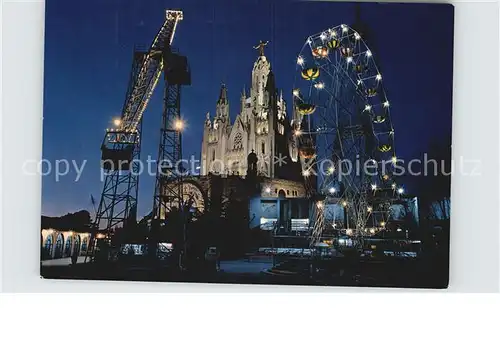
261,47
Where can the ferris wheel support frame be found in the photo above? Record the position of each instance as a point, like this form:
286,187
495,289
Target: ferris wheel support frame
358,71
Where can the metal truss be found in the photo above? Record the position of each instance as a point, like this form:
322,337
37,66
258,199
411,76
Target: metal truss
121,147
168,189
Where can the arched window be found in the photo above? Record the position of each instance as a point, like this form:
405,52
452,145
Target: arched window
48,247
85,243
77,244
235,166
59,246
263,148
67,247
213,155
238,142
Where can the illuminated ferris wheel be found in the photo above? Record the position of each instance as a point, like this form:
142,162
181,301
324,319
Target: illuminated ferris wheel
343,134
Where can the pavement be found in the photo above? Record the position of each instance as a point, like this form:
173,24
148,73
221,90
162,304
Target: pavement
251,271
66,261
246,266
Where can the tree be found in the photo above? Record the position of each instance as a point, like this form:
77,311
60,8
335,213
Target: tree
434,185
79,221
434,189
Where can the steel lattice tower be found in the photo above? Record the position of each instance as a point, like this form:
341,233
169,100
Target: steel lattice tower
120,152
121,146
168,189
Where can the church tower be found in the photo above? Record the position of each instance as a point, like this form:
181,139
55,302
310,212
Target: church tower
206,156
222,109
260,128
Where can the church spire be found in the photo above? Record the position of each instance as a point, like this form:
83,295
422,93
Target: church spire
222,113
223,94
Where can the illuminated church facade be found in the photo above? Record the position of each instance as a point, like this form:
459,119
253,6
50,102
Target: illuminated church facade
260,131
261,127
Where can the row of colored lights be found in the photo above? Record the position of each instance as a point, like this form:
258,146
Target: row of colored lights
368,53
332,191
371,230
179,125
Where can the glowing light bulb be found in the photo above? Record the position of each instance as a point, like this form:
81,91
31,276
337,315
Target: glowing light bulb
394,159
344,203
319,86
369,209
372,231
386,104
378,77
368,108
382,224
179,125
268,190
348,231
332,190
344,29
300,60
360,81
319,205
400,191
349,59
323,36
333,34
117,122
296,92
374,187
306,173
369,53
331,169
393,185
357,36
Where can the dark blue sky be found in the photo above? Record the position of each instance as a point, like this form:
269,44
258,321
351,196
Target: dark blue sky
88,55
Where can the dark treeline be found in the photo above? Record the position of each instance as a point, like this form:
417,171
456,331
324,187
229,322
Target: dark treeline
79,222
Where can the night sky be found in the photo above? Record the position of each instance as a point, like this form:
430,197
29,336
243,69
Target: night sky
88,56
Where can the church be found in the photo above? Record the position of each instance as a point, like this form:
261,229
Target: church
247,158
262,126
